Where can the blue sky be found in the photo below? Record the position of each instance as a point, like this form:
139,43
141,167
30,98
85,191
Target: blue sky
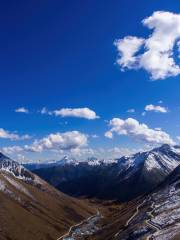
61,54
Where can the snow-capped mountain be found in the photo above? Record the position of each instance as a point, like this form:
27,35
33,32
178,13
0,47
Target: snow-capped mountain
163,159
62,162
140,172
14,168
66,160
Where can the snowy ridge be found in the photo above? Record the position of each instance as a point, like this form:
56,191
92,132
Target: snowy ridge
164,158
17,185
166,212
14,168
91,161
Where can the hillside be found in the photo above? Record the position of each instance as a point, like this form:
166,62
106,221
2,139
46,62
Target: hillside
154,216
32,209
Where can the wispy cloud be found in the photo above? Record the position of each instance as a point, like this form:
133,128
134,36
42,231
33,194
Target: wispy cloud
22,110
131,110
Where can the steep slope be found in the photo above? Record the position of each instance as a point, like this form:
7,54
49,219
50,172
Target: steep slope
123,179
158,215
32,209
153,216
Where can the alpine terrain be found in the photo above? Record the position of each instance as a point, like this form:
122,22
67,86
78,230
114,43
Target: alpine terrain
31,208
122,179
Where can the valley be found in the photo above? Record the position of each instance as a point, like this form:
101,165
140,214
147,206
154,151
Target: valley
152,214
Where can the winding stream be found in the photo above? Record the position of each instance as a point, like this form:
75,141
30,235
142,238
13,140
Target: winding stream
86,228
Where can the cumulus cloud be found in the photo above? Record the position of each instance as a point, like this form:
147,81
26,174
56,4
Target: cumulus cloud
127,48
76,112
72,142
58,141
157,57
12,136
131,127
22,110
157,108
72,112
12,149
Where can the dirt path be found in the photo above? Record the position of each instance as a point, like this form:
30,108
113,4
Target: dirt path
131,218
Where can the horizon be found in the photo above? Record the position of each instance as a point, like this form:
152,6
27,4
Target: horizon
88,158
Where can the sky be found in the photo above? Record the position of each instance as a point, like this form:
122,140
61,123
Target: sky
88,78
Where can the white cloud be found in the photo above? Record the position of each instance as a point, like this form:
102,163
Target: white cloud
108,134
131,110
157,108
131,127
71,143
82,152
117,152
58,141
22,110
12,149
127,49
157,58
12,136
71,112
76,112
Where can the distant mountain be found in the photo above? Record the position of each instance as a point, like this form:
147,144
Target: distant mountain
64,161
67,161
31,208
123,179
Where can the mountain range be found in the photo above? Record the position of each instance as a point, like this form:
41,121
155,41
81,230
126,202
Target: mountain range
122,179
133,197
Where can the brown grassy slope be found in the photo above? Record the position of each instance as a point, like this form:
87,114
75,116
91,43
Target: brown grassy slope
47,215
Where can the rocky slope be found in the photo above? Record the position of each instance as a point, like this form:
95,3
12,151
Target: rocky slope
31,208
155,216
158,217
